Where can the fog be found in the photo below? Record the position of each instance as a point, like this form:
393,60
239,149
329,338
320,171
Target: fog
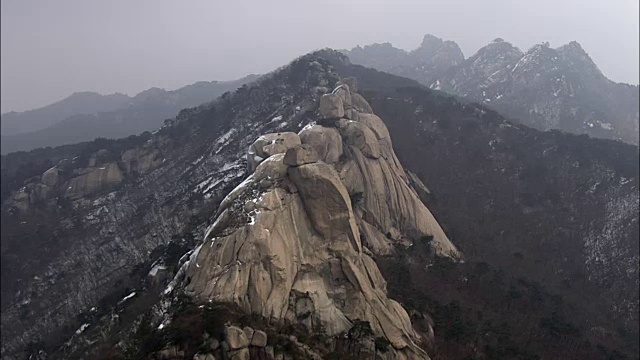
53,48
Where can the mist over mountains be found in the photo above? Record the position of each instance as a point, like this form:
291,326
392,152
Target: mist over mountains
88,115
544,88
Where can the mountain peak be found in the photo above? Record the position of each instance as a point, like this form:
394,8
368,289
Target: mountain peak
310,246
573,47
429,40
434,49
498,50
84,94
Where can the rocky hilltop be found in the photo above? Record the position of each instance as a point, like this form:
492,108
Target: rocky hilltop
293,242
543,88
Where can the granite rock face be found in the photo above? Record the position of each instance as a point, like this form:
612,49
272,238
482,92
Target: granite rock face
290,244
270,144
300,155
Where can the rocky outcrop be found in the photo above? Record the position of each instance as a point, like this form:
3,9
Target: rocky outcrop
140,160
270,144
325,140
291,242
331,106
94,178
50,177
236,338
300,155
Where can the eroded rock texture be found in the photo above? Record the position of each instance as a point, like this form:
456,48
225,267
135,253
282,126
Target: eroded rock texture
294,241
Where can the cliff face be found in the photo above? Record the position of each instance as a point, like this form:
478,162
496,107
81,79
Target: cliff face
289,243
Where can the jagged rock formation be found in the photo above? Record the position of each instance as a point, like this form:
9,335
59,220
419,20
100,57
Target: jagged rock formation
70,180
543,88
244,344
547,88
290,244
431,58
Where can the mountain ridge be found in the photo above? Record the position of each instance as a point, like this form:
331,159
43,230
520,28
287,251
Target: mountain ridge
543,87
144,111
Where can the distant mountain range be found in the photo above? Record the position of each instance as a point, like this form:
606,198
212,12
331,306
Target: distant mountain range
84,116
544,88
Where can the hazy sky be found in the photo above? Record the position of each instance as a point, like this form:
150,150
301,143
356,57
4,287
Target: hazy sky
53,48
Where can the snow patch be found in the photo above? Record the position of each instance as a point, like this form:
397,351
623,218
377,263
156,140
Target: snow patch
197,160
224,140
308,126
132,294
82,329
154,270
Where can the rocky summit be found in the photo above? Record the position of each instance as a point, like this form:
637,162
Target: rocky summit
294,241
544,88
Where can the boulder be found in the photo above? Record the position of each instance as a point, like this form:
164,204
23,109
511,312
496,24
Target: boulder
50,177
259,339
241,354
273,168
236,338
351,82
331,106
300,155
345,95
248,331
270,144
360,136
325,140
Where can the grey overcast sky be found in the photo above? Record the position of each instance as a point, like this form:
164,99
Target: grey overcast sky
53,48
